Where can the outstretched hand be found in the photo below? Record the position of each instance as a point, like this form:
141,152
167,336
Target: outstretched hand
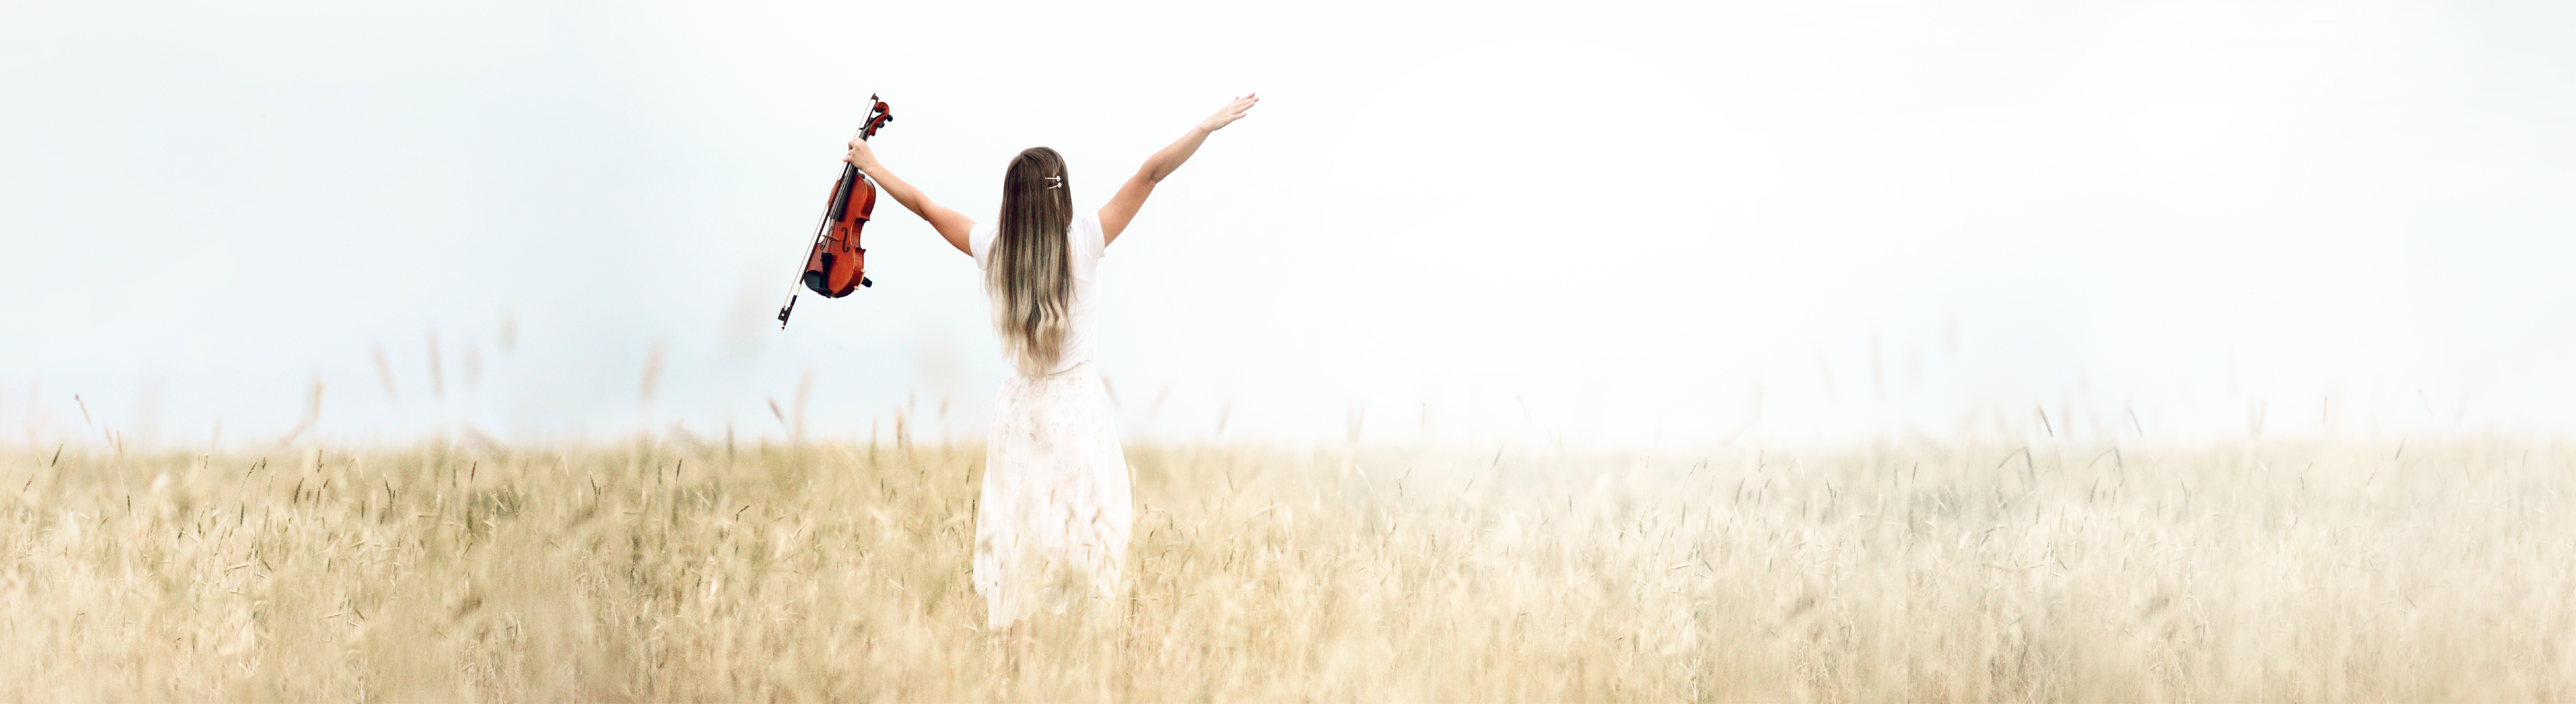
1122,208
1228,114
861,156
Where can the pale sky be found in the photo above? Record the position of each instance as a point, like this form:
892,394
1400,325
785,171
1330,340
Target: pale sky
1630,225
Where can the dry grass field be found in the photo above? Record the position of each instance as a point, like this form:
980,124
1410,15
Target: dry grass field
2358,571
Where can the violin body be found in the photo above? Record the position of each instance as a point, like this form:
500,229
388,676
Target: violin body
837,265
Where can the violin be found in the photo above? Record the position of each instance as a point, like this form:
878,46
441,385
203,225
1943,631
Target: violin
836,264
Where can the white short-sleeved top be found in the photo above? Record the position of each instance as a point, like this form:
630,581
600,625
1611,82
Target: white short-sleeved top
1086,244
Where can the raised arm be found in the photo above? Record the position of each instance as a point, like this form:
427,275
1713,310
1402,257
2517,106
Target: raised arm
1122,208
951,224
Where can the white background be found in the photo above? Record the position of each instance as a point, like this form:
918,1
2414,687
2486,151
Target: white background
1631,225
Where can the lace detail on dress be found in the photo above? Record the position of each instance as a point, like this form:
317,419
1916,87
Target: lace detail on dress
1056,507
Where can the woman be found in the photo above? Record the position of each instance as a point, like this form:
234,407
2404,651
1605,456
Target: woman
1055,507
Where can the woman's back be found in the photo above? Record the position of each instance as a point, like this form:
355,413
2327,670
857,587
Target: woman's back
1084,246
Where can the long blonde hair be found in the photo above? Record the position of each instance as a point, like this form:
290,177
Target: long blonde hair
1030,276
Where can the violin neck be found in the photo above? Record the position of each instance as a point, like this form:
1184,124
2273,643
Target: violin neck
841,195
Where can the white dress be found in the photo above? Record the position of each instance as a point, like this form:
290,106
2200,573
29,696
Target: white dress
1056,510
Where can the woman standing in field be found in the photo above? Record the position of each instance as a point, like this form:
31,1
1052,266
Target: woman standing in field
1056,508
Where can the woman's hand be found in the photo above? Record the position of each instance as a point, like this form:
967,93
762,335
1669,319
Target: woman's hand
1228,114
862,157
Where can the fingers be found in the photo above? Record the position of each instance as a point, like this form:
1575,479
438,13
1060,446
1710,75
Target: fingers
1232,111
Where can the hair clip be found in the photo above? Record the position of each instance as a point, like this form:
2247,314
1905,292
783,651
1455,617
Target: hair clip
1059,183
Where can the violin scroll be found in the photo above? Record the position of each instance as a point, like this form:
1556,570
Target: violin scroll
878,114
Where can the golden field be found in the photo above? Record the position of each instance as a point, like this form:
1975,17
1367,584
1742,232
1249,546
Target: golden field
687,571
